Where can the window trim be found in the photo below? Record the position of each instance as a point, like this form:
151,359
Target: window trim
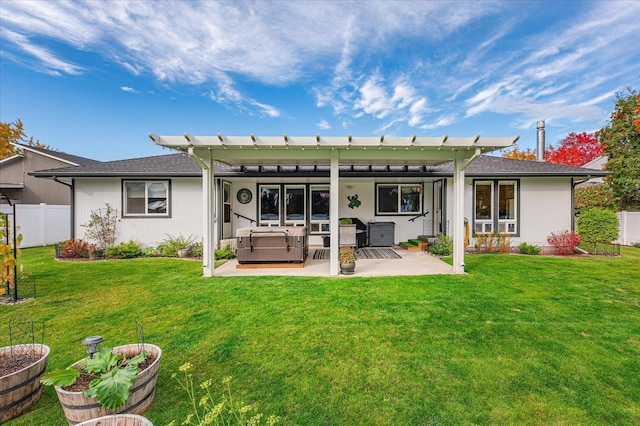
146,214
399,187
319,223
295,222
495,220
270,222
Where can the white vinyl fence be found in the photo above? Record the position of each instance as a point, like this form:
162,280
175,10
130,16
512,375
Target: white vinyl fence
629,227
40,224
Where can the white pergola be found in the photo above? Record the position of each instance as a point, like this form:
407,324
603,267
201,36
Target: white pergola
285,150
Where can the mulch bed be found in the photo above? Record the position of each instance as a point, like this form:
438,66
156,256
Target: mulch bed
12,363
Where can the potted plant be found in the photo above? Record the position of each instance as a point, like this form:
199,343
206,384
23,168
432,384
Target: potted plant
347,259
20,369
108,382
118,420
347,232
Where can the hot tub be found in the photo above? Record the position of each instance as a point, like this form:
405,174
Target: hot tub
272,244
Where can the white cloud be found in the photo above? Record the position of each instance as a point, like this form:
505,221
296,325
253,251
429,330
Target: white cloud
48,62
128,89
323,125
405,64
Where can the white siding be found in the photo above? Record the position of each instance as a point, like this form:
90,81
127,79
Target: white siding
185,202
545,207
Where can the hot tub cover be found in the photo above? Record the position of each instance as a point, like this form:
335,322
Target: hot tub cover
292,231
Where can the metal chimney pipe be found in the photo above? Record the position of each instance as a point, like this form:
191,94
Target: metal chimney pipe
541,148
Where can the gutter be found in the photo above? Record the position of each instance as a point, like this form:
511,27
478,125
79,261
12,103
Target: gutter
72,202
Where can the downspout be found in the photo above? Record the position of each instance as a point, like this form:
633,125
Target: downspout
72,202
574,184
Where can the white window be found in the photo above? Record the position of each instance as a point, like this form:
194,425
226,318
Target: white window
269,214
146,198
319,207
295,205
483,218
495,207
507,207
398,199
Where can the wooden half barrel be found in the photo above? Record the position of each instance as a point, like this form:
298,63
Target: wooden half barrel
118,420
79,408
21,389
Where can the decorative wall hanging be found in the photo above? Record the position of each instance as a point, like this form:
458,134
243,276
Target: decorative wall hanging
354,203
244,196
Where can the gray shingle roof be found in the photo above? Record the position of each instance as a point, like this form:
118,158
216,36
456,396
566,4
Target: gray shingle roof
59,155
180,165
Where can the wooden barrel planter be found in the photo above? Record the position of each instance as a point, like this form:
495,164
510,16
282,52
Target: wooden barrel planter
79,408
118,420
20,389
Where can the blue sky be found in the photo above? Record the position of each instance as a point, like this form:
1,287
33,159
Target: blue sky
94,78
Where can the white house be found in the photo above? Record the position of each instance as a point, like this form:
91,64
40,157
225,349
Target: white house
418,184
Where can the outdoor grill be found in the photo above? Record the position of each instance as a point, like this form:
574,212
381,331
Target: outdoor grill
271,244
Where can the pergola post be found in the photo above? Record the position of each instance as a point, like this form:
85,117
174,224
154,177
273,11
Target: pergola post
334,212
209,225
458,212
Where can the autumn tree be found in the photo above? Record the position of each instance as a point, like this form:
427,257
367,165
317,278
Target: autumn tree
576,149
516,154
594,196
621,144
14,132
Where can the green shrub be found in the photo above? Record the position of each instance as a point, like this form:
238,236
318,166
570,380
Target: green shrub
126,250
169,246
196,250
637,245
225,252
598,226
442,247
529,249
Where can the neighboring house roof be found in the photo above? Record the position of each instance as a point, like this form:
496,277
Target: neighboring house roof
597,163
72,160
12,158
181,165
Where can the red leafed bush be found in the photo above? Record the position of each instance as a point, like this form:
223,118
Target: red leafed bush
73,249
564,242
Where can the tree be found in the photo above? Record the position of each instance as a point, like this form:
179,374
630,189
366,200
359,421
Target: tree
14,132
576,149
621,143
593,196
516,154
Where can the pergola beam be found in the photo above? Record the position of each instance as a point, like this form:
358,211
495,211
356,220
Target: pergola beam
252,150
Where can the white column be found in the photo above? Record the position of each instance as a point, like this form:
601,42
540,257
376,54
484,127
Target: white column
458,213
209,228
334,211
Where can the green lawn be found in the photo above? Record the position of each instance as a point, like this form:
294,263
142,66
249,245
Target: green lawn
519,340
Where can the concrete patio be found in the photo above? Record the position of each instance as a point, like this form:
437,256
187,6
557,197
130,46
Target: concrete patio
413,262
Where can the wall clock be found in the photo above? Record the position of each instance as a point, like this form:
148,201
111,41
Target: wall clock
244,196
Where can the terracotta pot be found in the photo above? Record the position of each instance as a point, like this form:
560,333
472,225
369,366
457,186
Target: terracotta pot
20,389
79,408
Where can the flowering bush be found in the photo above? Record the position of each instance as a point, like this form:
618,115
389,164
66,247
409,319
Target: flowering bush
564,242
73,249
206,411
